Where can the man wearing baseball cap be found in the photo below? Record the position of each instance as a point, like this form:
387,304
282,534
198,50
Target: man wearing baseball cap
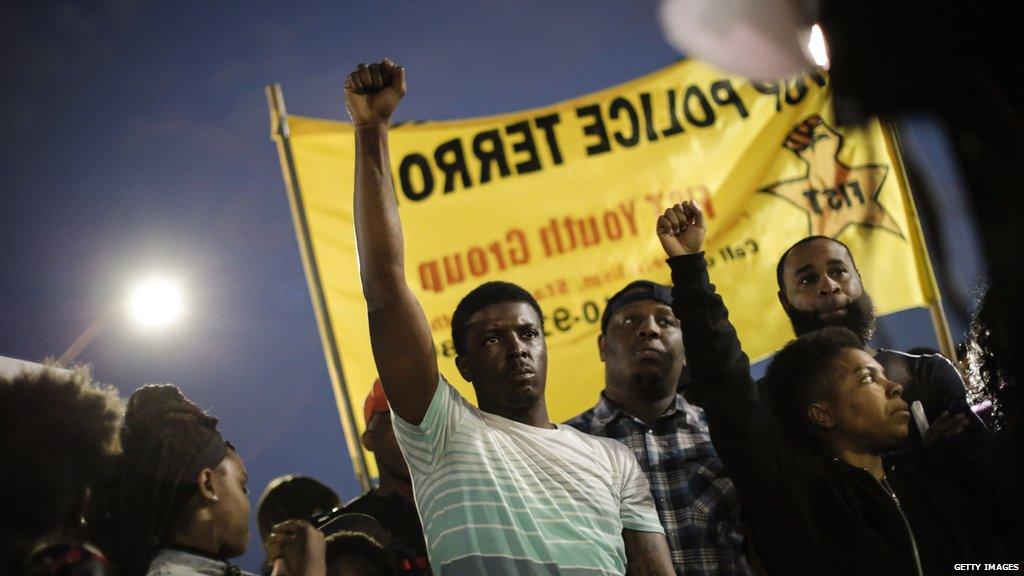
391,502
641,345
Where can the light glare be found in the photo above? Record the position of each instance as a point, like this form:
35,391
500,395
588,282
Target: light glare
156,302
817,47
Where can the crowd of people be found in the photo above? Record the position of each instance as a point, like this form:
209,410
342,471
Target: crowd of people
844,458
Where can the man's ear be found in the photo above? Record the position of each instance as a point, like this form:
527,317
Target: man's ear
782,298
207,487
600,345
464,370
821,414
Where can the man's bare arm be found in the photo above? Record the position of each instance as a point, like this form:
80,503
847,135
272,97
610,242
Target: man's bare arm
647,554
399,333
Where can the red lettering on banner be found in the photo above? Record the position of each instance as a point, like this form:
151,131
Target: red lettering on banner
568,234
438,274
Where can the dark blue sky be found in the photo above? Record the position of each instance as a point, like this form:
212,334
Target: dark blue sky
136,139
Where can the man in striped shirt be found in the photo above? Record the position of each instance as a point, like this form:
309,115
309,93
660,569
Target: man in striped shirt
641,345
499,488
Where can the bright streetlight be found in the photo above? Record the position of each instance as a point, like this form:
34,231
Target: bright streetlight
155,302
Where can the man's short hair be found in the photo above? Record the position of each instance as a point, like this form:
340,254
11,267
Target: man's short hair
292,497
799,374
360,535
633,292
481,297
782,261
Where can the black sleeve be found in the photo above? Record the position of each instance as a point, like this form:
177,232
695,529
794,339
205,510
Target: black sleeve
941,388
960,457
743,435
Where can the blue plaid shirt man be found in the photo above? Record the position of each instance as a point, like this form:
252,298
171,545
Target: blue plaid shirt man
697,503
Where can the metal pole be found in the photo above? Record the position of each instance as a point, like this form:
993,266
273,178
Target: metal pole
939,321
280,132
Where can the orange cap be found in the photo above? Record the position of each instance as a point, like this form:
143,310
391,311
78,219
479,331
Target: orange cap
376,401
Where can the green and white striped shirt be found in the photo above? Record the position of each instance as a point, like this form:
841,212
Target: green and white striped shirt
500,497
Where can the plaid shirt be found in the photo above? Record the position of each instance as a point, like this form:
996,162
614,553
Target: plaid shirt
697,504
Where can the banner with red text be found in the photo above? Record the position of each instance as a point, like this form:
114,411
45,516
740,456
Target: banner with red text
563,201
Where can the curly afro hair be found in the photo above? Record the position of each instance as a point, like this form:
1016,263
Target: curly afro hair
57,436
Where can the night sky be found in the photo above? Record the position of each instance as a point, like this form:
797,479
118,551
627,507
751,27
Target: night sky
136,140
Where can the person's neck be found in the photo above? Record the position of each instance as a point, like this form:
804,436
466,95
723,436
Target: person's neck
391,483
535,415
198,536
872,463
647,410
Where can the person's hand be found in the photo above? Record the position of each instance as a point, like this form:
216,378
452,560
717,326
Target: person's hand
373,92
300,546
681,229
946,425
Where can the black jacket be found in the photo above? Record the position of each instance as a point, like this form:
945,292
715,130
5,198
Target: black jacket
810,514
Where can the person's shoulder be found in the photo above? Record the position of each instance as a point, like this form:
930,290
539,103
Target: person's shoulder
599,444
910,357
919,362
451,390
453,398
360,504
583,421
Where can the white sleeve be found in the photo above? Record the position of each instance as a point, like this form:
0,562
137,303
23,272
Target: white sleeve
424,444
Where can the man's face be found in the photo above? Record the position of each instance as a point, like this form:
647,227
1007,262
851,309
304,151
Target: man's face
506,357
379,438
642,348
867,410
822,288
232,510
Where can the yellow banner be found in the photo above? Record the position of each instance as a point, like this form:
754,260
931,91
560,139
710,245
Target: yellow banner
563,200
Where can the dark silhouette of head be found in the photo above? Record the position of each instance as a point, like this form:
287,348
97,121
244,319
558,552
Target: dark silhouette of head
357,545
58,432
292,497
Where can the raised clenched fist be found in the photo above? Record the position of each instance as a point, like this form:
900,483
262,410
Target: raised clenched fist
681,229
373,92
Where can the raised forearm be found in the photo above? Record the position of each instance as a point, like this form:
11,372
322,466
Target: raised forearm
742,434
403,348
717,362
379,238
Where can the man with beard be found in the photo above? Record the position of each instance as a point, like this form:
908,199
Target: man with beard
500,489
820,286
641,345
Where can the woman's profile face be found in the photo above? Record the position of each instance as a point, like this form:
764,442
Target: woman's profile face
232,510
